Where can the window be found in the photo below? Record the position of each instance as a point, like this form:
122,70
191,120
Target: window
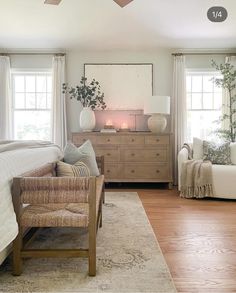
204,103
32,98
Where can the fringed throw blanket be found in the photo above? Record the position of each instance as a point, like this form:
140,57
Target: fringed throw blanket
196,179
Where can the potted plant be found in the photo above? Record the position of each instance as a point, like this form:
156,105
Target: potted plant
91,98
227,82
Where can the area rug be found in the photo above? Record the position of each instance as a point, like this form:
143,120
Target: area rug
128,254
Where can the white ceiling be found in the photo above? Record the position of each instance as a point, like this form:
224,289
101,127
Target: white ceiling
103,25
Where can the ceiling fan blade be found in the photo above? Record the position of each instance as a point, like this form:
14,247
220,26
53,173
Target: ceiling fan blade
53,2
123,3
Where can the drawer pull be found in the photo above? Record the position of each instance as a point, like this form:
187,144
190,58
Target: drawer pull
158,154
157,171
108,140
132,139
157,140
108,171
108,154
132,155
132,171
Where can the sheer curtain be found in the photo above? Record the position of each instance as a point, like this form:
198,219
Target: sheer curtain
5,98
59,128
225,101
179,109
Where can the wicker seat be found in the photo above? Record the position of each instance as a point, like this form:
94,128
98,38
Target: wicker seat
57,202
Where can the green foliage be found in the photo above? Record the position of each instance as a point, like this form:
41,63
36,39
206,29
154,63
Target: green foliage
227,82
89,94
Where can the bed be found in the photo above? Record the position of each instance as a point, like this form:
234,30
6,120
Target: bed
17,158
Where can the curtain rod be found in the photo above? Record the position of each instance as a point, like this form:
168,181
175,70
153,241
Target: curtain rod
12,53
195,54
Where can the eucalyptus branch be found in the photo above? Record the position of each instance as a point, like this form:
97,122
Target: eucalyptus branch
88,94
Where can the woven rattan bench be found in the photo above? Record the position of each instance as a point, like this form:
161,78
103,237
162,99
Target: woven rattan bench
56,202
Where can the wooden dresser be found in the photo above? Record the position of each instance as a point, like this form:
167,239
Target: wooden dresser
132,156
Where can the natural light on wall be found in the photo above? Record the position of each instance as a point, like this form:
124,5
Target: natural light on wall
204,103
31,100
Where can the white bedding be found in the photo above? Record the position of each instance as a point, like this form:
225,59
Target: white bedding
14,163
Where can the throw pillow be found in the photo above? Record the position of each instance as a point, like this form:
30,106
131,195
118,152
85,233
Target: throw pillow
233,152
85,153
217,154
197,149
79,169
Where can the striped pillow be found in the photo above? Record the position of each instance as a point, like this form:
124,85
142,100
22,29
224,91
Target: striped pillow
79,169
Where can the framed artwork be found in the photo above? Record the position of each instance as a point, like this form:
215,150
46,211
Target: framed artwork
125,86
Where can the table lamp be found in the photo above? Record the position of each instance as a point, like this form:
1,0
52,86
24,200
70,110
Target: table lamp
157,107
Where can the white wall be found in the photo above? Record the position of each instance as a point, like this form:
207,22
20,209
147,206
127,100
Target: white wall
203,61
162,72
41,62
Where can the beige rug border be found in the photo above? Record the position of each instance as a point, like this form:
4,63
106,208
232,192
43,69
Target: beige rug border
154,235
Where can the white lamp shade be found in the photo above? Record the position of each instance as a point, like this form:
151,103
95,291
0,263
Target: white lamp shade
157,105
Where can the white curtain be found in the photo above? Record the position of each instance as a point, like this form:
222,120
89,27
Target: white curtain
5,98
59,128
179,109
225,101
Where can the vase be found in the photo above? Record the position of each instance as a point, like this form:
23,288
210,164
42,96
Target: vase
87,119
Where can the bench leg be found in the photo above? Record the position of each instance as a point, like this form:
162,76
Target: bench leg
100,222
17,259
92,255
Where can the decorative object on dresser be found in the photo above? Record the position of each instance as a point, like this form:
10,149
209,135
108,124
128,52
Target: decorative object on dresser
157,107
91,98
132,156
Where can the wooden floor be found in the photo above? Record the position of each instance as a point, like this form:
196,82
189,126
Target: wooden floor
197,238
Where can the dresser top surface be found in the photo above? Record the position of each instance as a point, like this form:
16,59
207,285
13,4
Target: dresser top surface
122,133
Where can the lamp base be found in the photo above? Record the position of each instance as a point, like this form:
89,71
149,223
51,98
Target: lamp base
157,123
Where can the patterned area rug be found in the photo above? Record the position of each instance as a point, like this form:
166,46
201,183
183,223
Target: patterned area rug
129,257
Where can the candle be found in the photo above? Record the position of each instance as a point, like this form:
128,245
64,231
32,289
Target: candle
109,122
124,125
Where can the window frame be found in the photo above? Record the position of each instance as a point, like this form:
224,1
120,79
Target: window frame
202,72
25,72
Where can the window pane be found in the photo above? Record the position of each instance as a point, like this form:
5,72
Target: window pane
30,84
188,83
19,83
217,89
30,101
196,101
197,84
32,125
49,84
208,83
207,101
218,101
41,84
189,101
49,101
202,124
41,101
19,101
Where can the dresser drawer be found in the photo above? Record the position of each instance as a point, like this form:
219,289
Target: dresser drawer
146,171
110,155
133,139
80,139
157,140
108,139
145,155
112,171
